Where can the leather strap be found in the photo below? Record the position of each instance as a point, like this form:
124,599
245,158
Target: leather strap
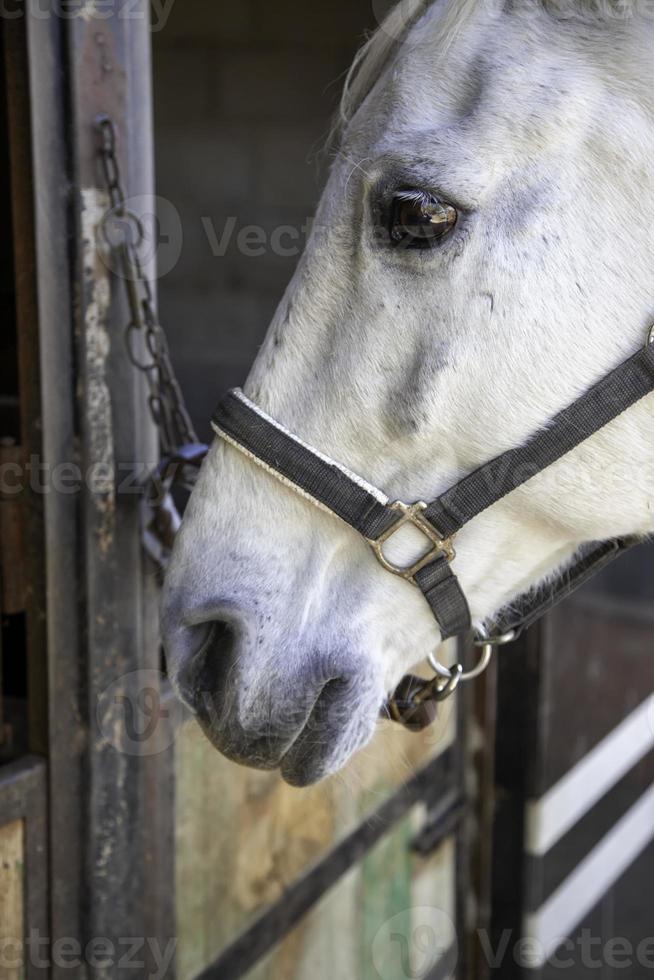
326,483
443,592
365,508
601,404
533,604
269,444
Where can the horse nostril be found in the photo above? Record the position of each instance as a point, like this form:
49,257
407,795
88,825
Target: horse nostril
202,678
219,644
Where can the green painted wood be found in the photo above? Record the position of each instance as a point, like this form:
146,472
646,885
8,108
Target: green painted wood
386,893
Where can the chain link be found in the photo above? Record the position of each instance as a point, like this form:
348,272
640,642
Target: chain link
165,400
181,453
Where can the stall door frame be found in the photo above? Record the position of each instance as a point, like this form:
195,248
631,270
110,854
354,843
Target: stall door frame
110,813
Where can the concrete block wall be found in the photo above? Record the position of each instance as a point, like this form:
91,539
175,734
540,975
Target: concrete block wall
244,95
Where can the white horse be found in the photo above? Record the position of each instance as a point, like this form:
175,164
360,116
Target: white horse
482,254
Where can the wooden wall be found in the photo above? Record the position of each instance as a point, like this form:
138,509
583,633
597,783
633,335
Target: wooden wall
394,911
244,836
12,862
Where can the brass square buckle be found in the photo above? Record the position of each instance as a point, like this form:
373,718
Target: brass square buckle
412,514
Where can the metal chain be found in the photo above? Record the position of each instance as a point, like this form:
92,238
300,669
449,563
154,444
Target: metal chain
181,453
165,399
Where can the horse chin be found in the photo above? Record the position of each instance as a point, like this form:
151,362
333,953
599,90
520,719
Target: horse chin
309,760
311,757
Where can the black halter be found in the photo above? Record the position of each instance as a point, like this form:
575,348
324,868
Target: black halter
368,510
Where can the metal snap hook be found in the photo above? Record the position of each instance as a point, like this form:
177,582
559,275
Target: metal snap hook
451,684
487,645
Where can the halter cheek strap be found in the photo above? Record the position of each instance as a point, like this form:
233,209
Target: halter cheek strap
334,488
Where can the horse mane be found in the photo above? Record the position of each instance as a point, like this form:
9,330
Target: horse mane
376,52
381,46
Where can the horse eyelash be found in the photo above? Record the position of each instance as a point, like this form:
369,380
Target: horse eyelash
421,198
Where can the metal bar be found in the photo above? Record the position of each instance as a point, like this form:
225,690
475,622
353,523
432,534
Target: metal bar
128,833
49,125
112,869
442,820
466,651
29,568
157,776
518,682
484,713
241,955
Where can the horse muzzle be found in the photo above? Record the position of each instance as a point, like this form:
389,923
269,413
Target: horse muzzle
301,711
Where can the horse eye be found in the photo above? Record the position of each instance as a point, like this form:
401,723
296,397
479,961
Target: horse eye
420,221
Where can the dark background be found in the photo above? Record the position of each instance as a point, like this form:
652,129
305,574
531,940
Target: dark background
244,97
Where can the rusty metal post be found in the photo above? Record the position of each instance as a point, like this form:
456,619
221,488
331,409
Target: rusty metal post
111,810
128,842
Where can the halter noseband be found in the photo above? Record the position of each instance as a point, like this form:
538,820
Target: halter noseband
368,510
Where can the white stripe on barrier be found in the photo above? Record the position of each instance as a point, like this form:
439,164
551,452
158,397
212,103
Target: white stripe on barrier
547,928
550,817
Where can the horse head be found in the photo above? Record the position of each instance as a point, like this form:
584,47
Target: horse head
481,255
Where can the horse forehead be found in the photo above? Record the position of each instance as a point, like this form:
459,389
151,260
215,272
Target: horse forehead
500,71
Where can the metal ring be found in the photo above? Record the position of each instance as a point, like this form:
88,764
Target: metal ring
482,638
448,673
463,675
487,644
650,336
130,221
438,667
487,651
